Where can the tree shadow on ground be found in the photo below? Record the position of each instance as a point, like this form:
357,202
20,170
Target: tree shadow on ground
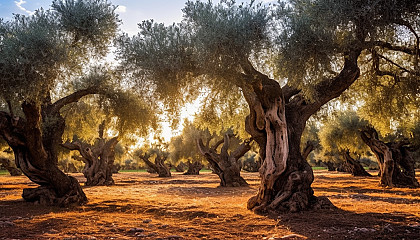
340,224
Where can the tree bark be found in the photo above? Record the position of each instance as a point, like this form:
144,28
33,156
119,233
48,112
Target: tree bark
307,150
194,167
159,165
353,166
394,159
33,141
330,166
276,122
225,165
6,163
98,159
180,167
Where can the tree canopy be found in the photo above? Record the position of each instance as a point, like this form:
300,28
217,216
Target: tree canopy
317,49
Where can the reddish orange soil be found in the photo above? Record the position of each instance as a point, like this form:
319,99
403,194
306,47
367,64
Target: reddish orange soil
142,206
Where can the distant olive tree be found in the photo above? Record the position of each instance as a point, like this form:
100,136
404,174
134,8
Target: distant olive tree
340,139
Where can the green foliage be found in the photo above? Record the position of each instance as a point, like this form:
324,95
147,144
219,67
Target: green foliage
223,110
90,22
315,35
159,53
342,133
203,53
38,52
184,146
311,135
29,46
226,34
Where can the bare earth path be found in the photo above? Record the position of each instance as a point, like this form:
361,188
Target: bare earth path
142,206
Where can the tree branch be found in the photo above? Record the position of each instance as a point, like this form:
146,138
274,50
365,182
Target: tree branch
397,65
241,150
74,97
332,88
289,92
308,149
389,46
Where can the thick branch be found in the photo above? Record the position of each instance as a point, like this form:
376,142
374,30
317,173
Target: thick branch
389,46
308,149
289,92
83,149
225,147
241,150
332,88
216,145
74,97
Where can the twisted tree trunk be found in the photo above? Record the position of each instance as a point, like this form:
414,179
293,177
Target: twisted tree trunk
6,163
394,159
98,158
225,165
330,166
180,167
159,165
194,167
353,166
276,122
34,142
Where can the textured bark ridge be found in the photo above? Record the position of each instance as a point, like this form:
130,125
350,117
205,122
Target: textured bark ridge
159,165
7,164
353,166
98,158
394,159
276,122
226,165
180,167
194,167
34,141
286,177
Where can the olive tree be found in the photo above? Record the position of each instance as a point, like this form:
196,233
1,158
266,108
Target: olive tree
397,166
340,136
318,48
123,113
42,60
183,149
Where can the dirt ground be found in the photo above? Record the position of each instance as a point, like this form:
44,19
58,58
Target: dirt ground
143,206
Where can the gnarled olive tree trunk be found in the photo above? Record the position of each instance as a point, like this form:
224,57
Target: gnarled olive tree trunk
353,166
194,167
7,164
159,165
98,158
225,165
394,159
34,140
180,167
276,122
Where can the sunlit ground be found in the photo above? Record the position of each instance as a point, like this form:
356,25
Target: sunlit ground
142,206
